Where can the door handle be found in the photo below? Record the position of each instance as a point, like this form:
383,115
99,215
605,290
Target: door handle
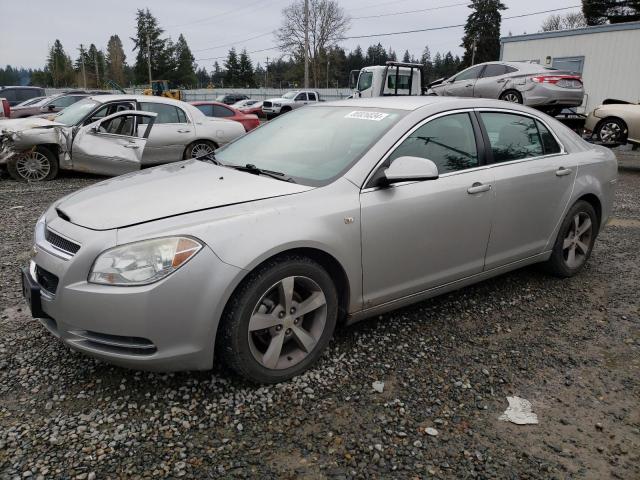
561,172
478,187
131,145
184,131
469,85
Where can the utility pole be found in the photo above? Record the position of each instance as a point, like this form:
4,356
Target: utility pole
84,74
149,59
473,52
266,72
95,59
328,74
306,43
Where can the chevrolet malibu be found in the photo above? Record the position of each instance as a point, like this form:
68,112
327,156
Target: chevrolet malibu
333,213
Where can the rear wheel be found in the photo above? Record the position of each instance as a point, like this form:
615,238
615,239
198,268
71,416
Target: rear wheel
279,321
575,240
199,148
35,165
512,96
612,131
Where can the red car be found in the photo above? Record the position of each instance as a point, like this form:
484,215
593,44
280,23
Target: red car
217,109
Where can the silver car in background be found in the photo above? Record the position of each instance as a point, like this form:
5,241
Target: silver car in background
332,213
526,83
46,105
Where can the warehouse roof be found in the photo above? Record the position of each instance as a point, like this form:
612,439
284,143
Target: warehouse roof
613,27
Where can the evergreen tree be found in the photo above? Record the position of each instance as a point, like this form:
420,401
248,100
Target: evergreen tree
147,28
598,12
185,74
115,61
376,55
245,70
392,55
437,66
406,58
483,30
428,65
60,66
217,75
232,67
202,77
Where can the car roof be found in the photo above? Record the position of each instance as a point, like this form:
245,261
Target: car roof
140,98
413,102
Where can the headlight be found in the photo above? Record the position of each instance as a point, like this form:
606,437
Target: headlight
277,105
143,262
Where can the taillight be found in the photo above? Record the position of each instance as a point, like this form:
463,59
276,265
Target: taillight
569,80
6,108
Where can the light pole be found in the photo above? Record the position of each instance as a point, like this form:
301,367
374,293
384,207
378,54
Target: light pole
328,73
306,43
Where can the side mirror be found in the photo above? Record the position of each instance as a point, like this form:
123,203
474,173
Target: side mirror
410,169
51,108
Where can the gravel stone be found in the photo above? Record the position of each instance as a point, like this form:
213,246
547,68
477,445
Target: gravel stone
569,346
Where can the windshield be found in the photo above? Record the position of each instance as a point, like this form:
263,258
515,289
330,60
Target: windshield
315,145
290,95
76,112
365,80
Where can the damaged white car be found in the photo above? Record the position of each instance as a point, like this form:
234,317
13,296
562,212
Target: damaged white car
110,135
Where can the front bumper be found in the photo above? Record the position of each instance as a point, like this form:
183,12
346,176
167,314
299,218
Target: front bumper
166,326
271,110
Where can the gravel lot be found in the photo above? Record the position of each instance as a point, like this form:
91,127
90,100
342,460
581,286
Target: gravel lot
571,347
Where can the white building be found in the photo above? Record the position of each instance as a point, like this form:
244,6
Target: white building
607,56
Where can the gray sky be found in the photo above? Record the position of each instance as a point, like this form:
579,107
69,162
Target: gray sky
24,38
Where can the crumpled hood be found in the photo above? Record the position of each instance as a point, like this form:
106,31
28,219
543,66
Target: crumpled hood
167,191
22,124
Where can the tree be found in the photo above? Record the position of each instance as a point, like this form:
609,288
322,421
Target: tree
428,64
406,58
115,60
599,12
564,22
482,31
245,70
327,25
217,75
147,28
376,55
184,73
202,77
232,67
60,66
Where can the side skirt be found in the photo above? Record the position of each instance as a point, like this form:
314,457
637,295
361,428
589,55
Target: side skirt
447,287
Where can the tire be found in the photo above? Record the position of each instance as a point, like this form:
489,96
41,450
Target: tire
612,131
276,353
561,264
285,110
512,96
198,148
36,165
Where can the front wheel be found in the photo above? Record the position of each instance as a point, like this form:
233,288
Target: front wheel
612,131
279,321
575,240
35,165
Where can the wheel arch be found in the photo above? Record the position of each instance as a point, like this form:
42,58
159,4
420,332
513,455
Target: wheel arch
595,202
329,262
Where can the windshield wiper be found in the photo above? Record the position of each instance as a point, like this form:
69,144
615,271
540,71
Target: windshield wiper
251,168
209,157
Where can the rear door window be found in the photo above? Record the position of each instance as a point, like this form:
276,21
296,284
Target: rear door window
494,70
220,111
312,96
549,143
512,136
206,109
166,113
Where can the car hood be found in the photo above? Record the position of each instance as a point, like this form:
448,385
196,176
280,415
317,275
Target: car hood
167,191
279,100
21,124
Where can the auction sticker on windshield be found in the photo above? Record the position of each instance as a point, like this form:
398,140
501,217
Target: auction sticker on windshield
375,116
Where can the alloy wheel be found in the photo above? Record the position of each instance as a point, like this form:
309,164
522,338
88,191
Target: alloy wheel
511,97
33,166
577,242
610,132
201,149
287,322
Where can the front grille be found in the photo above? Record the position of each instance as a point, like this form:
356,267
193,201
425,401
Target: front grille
61,243
266,104
47,280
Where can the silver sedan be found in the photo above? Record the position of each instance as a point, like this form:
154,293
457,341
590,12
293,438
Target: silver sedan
527,83
332,213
